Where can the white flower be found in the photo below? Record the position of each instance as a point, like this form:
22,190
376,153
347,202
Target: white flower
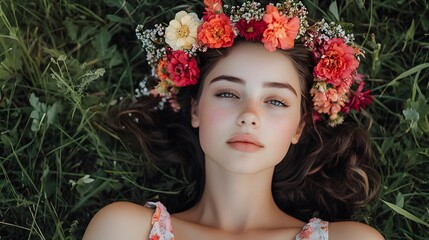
181,33
81,181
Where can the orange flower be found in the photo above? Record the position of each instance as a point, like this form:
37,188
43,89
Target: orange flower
156,215
216,32
161,69
338,62
281,31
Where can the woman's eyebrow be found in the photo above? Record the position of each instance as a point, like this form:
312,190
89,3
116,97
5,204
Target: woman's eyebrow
280,85
228,78
265,84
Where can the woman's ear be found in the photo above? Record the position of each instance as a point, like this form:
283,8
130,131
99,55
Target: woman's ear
299,131
195,120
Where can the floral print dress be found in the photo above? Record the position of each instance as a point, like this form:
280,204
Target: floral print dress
315,229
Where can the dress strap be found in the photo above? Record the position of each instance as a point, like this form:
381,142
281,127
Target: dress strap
161,222
315,229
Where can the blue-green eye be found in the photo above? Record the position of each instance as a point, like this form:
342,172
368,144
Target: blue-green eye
226,94
277,103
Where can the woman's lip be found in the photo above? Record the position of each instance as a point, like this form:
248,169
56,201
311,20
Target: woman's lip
245,143
244,146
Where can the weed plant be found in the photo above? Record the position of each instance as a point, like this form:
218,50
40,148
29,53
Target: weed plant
64,63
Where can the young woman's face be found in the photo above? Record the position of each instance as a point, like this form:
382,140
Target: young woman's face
249,110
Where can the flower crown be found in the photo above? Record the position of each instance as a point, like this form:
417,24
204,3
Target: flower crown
171,50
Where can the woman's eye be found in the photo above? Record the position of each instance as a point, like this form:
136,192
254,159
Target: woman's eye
226,95
277,103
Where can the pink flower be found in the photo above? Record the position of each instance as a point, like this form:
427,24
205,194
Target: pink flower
281,31
317,117
327,101
252,30
358,99
182,69
213,6
306,233
216,32
338,62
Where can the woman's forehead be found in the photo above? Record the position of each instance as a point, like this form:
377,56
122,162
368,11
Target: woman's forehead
251,61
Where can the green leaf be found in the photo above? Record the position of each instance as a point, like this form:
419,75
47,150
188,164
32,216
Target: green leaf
411,114
5,139
33,100
423,110
333,8
52,113
45,173
117,19
35,124
400,200
62,58
410,32
101,42
360,3
418,112
405,213
86,33
71,28
116,59
13,60
114,3
409,36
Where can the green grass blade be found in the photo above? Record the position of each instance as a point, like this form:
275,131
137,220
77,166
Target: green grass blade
405,213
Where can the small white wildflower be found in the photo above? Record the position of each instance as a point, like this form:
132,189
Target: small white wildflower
72,182
83,180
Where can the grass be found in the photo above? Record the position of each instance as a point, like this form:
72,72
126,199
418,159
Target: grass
63,63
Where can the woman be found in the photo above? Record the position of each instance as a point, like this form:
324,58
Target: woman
266,163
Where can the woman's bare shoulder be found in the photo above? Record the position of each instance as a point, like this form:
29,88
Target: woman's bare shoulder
120,220
352,230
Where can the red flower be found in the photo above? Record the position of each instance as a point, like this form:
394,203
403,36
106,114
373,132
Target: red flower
338,62
183,70
216,32
155,237
252,30
281,31
358,99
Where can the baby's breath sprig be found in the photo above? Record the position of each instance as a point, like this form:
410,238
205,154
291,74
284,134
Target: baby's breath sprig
323,31
248,11
151,40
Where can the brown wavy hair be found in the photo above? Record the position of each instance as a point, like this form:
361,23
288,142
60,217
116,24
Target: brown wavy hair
328,173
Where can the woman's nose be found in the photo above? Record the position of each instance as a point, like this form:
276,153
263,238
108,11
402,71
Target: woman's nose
249,117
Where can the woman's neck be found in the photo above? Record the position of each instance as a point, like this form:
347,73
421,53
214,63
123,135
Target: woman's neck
236,202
